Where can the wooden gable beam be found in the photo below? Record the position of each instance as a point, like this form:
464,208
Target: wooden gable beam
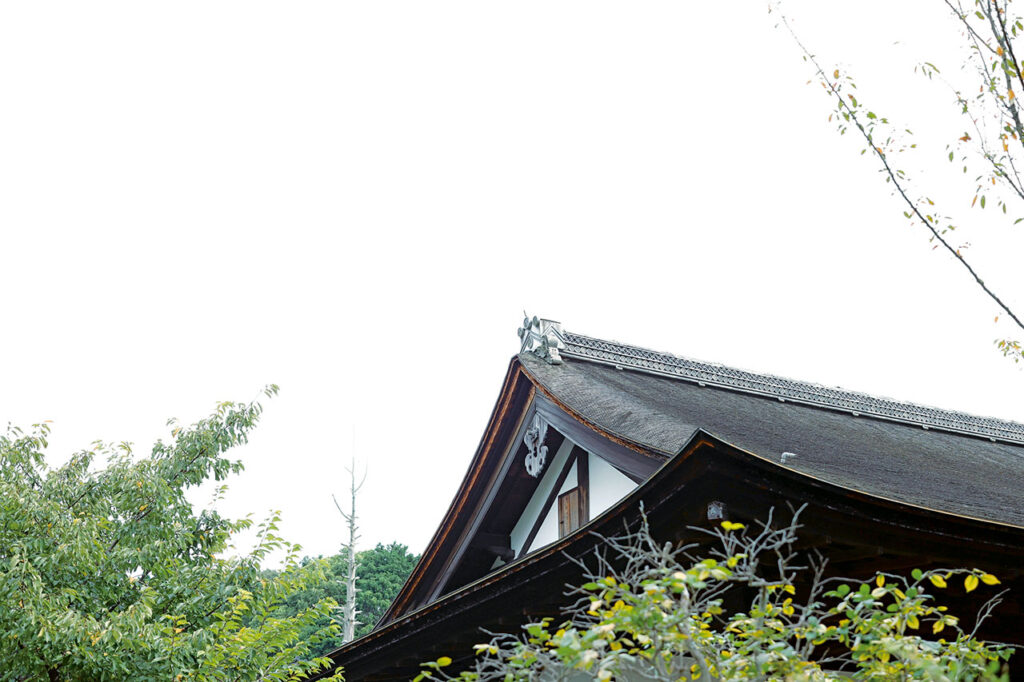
500,545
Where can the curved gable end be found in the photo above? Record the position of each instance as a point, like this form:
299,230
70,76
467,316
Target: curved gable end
504,510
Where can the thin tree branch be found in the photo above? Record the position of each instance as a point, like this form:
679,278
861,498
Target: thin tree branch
880,155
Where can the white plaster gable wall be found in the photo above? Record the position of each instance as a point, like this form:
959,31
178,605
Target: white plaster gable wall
548,531
607,485
534,507
571,481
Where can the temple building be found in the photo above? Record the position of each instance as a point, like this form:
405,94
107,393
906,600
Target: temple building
584,432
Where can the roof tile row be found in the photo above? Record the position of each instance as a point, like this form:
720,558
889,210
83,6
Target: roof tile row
621,355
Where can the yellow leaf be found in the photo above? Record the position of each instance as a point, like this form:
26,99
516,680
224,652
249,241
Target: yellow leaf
970,582
880,580
443,661
937,627
999,51
989,579
913,622
835,74
1012,95
937,580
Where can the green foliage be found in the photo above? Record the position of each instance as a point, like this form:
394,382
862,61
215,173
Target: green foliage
382,572
110,574
656,613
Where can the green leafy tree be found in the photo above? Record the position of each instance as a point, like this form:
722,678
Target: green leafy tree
649,610
988,148
107,572
382,572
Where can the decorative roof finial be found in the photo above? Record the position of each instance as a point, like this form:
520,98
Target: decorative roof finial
543,338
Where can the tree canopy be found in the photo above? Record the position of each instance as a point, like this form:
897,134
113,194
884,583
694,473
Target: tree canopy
107,572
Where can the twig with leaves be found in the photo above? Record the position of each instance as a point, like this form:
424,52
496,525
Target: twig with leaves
652,610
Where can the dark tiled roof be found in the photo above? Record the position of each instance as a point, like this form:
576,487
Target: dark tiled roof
704,373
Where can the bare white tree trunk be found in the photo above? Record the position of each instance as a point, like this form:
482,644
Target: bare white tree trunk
349,612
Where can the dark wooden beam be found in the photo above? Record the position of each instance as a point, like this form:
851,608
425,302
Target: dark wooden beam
583,481
840,556
493,544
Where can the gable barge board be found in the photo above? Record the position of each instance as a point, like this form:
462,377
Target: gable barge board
506,419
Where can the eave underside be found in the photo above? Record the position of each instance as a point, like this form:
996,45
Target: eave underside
860,533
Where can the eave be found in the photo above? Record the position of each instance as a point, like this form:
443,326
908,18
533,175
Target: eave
866,532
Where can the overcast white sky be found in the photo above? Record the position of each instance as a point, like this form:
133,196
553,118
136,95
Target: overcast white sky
356,200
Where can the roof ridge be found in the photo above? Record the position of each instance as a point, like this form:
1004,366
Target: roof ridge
706,373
